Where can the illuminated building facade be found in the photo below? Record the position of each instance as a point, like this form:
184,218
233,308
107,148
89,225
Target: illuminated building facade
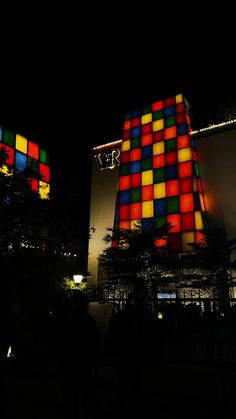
158,178
22,154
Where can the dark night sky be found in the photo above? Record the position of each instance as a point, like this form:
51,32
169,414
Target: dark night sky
70,92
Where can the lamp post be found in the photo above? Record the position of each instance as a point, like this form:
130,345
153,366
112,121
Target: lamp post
78,278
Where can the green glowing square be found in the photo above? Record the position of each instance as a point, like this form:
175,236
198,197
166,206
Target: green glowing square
43,156
124,169
160,221
170,121
157,115
173,205
135,142
127,116
171,144
159,175
147,109
195,169
136,195
8,137
147,164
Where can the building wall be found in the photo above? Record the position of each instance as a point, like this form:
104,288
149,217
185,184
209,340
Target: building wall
217,164
102,208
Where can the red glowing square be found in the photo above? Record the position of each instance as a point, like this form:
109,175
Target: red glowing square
186,202
10,154
185,169
181,118
147,128
147,193
44,171
126,134
174,220
125,157
157,106
33,150
136,211
169,101
183,141
124,182
124,212
201,237
171,157
172,187
161,242
199,185
34,183
158,161
186,185
127,125
135,154
135,122
135,180
146,139
188,221
180,107
158,136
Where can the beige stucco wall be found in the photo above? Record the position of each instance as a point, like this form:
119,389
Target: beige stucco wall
102,210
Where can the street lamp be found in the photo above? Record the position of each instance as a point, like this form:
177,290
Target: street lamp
78,278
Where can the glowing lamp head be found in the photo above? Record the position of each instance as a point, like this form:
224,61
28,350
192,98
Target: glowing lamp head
78,278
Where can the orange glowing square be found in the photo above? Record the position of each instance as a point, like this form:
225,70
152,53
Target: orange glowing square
174,220
146,139
183,141
172,187
135,154
124,225
136,211
127,125
158,161
124,182
186,202
147,192
170,132
185,169
161,242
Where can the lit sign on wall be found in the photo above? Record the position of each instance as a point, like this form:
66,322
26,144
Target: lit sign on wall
108,159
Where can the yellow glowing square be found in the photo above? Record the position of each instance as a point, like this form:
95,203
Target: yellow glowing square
134,224
158,148
198,220
158,125
146,118
147,177
6,170
125,145
147,209
44,190
185,154
188,237
21,143
179,98
160,190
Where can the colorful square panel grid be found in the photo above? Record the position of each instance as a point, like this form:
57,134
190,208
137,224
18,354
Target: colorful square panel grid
23,153
159,179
